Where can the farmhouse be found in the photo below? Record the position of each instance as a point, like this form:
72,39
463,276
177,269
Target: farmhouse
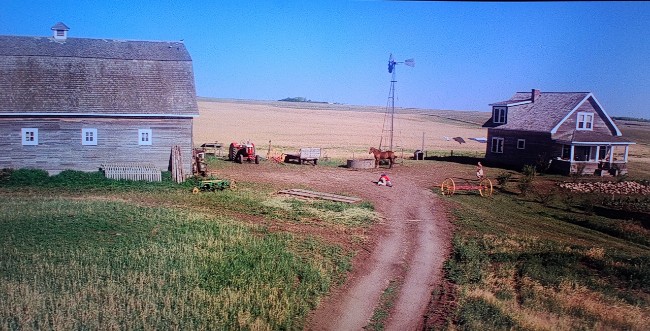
78,103
568,131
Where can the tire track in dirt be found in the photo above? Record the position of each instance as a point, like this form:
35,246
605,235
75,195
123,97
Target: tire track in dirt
411,249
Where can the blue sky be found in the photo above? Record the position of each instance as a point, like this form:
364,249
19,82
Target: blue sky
468,54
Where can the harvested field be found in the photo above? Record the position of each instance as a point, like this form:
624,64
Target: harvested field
341,131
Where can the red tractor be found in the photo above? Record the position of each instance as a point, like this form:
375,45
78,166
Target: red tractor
244,151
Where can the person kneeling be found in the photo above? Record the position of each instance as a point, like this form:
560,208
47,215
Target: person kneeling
384,181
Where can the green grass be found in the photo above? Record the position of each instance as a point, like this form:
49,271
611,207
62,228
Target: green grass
381,312
522,264
81,252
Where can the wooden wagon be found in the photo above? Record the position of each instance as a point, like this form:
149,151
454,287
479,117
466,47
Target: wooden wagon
309,154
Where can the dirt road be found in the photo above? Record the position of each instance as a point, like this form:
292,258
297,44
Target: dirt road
408,248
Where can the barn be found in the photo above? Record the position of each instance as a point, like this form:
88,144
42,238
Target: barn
79,103
566,132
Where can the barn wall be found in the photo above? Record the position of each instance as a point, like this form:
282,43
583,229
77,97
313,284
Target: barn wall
60,148
538,146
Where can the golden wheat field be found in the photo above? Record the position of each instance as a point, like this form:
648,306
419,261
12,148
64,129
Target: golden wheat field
341,131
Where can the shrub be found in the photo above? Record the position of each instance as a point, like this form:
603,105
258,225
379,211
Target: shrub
525,182
503,178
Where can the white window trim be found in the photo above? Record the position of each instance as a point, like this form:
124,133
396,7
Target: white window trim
497,112
93,135
26,142
493,145
144,133
588,125
523,142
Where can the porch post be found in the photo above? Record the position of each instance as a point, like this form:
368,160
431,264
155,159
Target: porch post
626,150
571,155
597,153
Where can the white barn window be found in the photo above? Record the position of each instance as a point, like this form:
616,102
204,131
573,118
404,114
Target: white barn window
497,145
29,136
585,121
144,137
89,137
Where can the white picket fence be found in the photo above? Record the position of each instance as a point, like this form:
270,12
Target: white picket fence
132,171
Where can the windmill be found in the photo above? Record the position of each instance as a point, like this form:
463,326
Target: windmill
391,95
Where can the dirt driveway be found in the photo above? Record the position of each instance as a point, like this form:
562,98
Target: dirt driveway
408,247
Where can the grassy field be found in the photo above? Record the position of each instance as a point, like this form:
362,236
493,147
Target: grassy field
81,252
548,260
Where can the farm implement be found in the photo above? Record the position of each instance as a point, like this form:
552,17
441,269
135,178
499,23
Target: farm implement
244,151
211,185
483,186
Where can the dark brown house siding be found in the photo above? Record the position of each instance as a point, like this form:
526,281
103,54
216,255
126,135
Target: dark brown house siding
60,142
537,147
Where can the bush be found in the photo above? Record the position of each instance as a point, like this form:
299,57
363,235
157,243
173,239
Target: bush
525,182
25,177
503,178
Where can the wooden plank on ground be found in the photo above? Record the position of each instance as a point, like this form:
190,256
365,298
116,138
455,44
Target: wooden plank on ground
320,195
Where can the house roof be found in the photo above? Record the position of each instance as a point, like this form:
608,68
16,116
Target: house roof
40,76
548,110
577,137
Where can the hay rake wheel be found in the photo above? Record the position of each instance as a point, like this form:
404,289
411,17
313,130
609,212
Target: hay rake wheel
485,187
448,187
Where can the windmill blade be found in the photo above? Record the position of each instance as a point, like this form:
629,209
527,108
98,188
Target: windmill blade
410,62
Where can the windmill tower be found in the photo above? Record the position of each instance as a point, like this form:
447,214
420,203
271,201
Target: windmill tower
391,97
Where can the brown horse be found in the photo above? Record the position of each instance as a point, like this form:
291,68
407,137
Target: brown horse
379,155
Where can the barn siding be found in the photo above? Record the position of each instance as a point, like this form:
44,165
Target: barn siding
538,147
60,145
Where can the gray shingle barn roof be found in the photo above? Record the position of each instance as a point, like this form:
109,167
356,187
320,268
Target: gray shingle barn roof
94,48
95,76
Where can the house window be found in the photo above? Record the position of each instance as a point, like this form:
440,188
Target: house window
89,137
585,121
29,136
144,136
521,143
499,114
497,145
566,152
584,153
603,152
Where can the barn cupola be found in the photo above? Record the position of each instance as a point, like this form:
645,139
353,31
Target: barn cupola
60,31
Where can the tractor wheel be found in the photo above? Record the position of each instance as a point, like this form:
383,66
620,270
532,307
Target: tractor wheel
257,159
485,187
448,187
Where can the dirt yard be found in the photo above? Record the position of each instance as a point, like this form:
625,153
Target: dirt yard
411,243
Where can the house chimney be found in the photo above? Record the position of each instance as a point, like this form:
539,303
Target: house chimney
535,94
60,31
